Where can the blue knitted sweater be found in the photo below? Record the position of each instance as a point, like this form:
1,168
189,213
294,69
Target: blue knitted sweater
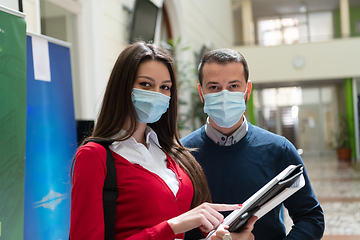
236,172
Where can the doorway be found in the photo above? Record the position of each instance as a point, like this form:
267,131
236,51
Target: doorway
309,130
305,116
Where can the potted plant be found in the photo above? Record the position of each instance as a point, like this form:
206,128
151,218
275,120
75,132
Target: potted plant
342,140
186,71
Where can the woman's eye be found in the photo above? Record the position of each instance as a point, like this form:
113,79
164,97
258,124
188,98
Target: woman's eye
165,87
145,84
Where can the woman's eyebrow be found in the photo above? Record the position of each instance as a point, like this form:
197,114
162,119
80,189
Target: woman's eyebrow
167,81
149,78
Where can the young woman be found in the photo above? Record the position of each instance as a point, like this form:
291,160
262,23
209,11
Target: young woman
158,180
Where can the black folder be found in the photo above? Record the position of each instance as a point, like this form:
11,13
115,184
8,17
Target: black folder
285,184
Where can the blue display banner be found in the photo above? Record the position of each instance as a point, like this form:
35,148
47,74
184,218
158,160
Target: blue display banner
51,141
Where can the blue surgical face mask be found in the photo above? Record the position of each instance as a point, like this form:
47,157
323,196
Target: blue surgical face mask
225,108
149,105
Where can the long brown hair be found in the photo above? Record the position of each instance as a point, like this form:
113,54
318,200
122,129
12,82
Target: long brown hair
117,108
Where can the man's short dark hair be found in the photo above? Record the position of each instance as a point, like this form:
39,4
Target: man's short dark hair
223,56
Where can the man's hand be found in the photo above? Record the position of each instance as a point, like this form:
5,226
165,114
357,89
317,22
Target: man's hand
245,233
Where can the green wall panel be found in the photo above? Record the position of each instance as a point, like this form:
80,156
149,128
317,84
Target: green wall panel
12,124
354,18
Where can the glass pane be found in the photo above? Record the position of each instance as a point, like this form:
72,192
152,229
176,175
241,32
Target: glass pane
289,96
269,32
291,35
310,96
287,124
255,97
321,26
269,97
278,31
53,21
327,95
269,116
301,26
308,129
259,119
272,38
329,127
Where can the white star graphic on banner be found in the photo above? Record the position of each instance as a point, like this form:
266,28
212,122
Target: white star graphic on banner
51,200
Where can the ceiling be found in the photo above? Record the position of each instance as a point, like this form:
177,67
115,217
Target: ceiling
270,8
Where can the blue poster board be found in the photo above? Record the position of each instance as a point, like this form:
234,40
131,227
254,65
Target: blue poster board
51,143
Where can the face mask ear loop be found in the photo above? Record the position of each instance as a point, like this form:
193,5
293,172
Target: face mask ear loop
245,93
202,93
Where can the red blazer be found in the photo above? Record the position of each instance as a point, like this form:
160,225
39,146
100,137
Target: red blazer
144,204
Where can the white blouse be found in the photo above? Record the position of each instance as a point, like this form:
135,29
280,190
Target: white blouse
151,158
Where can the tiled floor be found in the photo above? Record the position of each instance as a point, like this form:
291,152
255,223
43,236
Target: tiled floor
337,186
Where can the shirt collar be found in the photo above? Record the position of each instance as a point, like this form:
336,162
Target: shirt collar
224,140
150,135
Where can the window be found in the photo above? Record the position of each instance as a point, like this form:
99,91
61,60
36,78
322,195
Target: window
278,31
144,21
295,28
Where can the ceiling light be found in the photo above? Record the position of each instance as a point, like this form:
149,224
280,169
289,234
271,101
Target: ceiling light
302,8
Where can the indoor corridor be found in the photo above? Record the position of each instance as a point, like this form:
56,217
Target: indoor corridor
337,186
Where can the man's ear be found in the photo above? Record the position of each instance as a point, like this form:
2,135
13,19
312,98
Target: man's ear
200,93
248,90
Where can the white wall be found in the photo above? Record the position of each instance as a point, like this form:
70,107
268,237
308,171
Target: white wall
104,36
321,26
334,59
12,4
32,17
208,22
115,29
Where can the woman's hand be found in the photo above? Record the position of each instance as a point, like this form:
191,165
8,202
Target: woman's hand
206,216
245,233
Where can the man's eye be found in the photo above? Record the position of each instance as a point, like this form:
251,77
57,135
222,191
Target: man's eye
213,87
234,86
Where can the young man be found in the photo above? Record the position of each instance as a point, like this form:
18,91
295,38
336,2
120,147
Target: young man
239,158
